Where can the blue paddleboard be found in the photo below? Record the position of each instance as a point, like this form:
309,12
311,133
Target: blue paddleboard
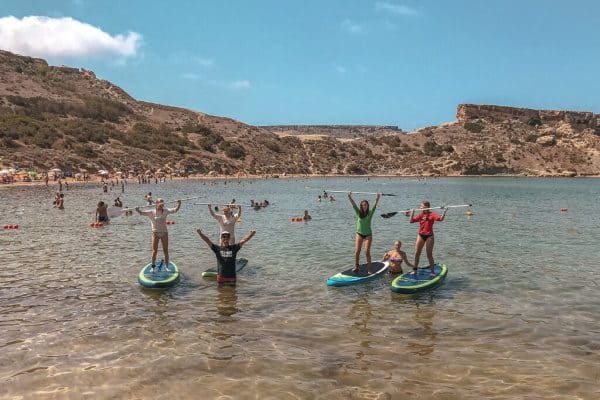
212,272
347,277
409,283
159,277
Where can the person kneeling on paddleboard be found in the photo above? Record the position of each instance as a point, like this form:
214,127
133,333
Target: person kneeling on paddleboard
226,254
425,236
395,256
364,234
158,219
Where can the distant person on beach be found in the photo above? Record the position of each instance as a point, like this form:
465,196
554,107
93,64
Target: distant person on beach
395,256
148,198
123,186
66,185
306,216
60,202
102,212
158,219
227,220
425,236
46,179
364,233
226,254
104,187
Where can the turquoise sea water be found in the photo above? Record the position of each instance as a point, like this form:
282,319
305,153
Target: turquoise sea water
517,317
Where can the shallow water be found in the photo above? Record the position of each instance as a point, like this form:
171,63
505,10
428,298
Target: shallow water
517,316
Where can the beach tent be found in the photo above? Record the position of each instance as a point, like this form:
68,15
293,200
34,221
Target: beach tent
55,170
102,172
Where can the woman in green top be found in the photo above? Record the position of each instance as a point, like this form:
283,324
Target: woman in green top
364,234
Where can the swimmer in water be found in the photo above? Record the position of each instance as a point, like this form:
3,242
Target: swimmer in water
395,256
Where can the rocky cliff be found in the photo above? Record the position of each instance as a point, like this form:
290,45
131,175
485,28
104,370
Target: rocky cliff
492,113
68,118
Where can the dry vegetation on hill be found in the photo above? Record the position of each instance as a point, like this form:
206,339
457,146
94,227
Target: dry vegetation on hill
67,118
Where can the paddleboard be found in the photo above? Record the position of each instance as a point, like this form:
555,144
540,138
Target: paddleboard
409,283
347,277
240,263
160,277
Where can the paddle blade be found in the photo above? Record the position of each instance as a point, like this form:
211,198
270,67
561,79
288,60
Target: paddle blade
389,215
388,194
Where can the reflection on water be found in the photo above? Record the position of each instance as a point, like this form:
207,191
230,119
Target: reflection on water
516,315
227,301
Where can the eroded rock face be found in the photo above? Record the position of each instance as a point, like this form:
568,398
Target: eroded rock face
468,112
548,140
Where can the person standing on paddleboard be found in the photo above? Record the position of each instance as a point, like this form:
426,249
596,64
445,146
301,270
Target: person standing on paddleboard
364,234
226,254
227,220
425,236
158,219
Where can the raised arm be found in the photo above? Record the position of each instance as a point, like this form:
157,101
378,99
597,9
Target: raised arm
443,214
210,210
250,235
204,237
352,200
377,200
412,216
177,207
239,215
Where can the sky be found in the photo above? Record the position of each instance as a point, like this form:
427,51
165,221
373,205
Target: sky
277,62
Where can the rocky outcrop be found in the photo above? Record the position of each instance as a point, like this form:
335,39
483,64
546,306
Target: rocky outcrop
468,112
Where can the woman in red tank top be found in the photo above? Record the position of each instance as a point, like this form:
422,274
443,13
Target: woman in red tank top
425,237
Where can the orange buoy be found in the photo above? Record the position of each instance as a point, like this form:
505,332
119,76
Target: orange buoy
170,222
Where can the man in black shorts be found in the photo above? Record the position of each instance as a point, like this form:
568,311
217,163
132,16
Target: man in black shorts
226,254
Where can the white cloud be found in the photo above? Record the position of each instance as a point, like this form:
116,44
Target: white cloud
63,37
190,76
352,27
396,9
239,85
205,62
340,69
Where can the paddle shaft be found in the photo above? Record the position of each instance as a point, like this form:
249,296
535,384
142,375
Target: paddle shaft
349,191
166,202
391,214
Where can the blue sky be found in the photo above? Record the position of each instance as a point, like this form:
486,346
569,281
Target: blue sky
405,63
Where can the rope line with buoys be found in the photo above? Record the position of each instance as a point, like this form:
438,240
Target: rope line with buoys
564,209
11,226
96,224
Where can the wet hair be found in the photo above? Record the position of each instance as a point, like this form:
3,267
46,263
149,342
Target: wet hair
362,213
426,203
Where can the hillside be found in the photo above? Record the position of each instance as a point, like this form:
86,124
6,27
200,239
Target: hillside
68,118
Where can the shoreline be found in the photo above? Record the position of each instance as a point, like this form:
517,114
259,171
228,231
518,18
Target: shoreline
98,180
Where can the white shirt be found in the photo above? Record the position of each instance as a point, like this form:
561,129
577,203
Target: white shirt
227,225
158,219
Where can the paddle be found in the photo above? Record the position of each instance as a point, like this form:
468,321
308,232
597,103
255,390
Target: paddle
166,202
373,193
391,214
